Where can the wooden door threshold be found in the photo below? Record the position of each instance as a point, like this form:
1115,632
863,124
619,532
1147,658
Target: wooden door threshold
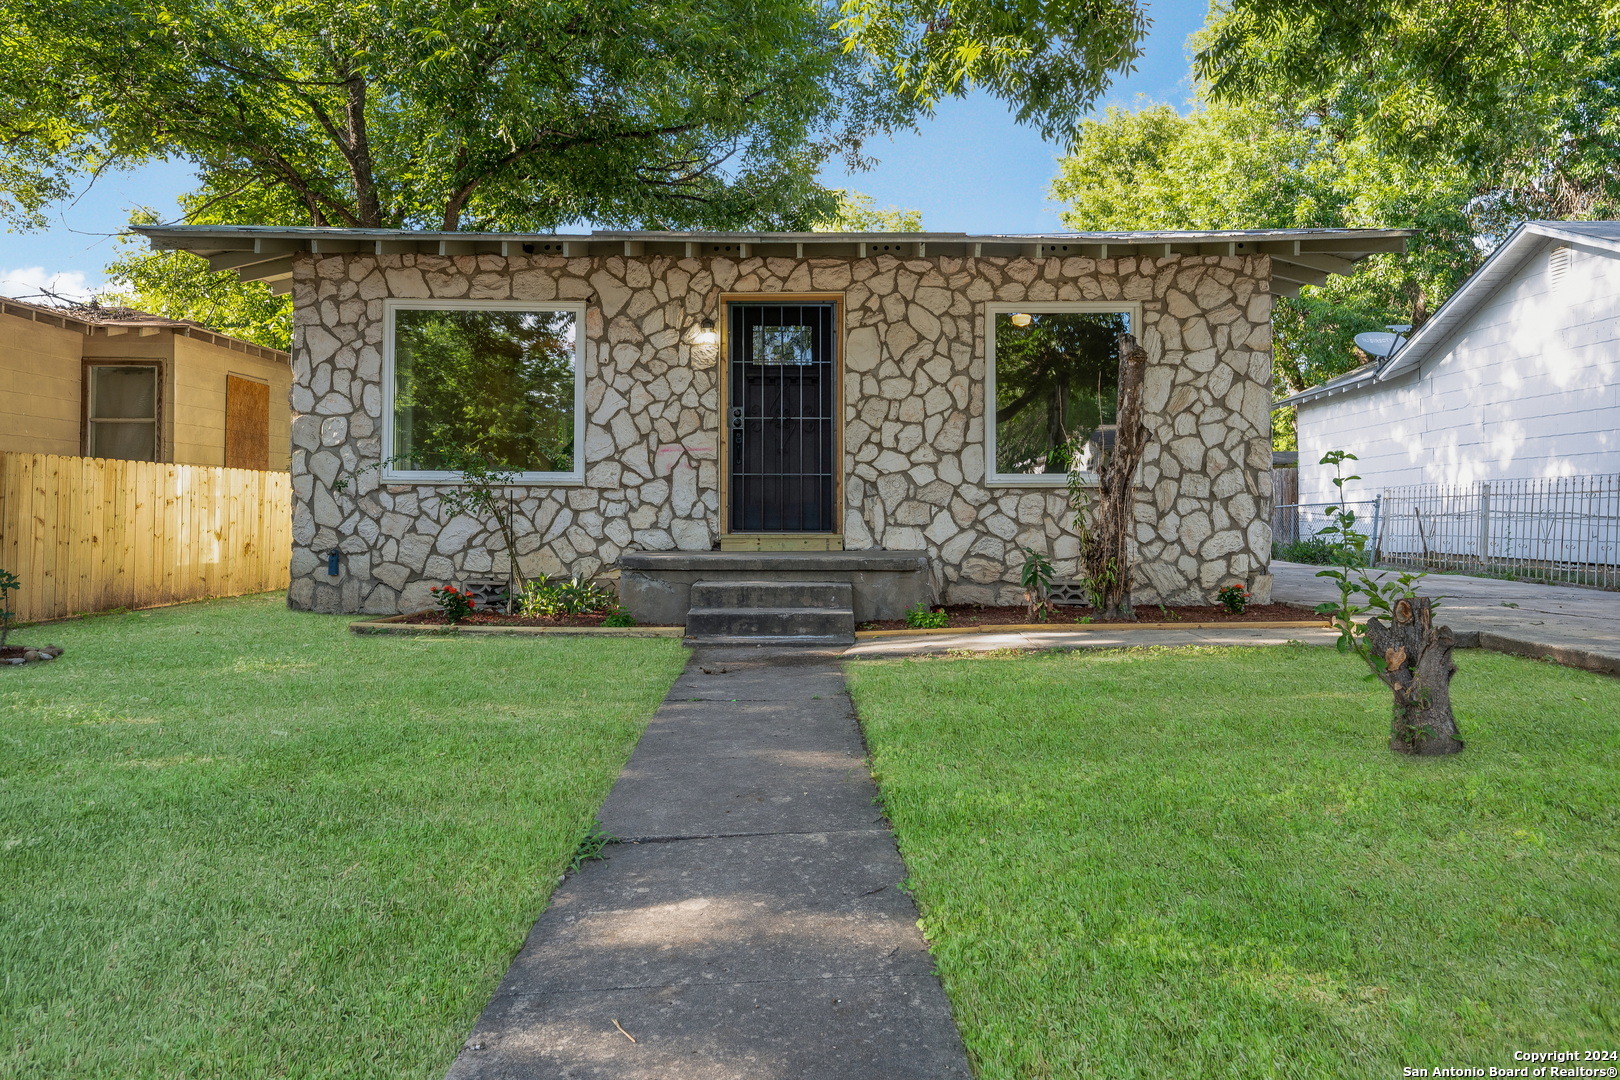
782,542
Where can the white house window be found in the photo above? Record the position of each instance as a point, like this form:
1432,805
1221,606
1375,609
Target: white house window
1053,372
473,377
123,411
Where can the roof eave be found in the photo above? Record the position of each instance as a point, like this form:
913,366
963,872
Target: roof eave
264,253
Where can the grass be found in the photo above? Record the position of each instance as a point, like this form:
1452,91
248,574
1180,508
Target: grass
238,841
1206,863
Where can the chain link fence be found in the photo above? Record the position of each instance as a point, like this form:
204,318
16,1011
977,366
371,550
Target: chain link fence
1556,529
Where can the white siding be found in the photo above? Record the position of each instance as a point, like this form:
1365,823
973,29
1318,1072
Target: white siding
1528,387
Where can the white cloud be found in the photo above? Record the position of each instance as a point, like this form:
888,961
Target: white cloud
32,282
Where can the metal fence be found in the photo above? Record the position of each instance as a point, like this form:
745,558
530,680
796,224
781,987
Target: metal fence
1557,529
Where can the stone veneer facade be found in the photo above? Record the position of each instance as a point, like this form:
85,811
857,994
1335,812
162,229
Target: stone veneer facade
913,366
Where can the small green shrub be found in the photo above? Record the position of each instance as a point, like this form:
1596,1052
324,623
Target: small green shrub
577,595
1315,550
619,618
921,617
8,583
1234,598
1036,578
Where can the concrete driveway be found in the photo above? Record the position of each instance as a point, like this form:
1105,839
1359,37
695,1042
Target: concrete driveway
1574,625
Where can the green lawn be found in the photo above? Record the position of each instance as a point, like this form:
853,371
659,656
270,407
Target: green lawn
1207,863
236,841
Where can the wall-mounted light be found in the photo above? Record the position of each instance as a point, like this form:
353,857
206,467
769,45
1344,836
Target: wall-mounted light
706,334
1021,319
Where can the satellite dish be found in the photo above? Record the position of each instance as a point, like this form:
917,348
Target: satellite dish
1378,343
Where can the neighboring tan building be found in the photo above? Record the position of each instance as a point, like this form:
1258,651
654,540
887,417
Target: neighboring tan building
114,383
684,408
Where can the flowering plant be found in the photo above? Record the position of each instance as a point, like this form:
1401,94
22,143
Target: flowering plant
1234,598
453,602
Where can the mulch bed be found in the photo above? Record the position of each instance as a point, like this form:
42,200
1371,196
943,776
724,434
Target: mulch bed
495,618
964,616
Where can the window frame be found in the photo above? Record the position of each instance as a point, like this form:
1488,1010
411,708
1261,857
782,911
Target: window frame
992,308
392,475
87,412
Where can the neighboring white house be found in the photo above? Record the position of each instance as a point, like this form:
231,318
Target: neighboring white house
1516,377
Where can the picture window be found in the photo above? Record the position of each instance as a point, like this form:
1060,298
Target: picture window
500,381
1054,371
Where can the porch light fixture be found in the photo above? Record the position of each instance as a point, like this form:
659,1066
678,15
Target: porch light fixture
706,334
1021,319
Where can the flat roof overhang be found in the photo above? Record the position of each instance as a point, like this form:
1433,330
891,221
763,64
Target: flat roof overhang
265,252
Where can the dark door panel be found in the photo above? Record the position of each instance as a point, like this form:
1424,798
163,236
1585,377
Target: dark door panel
783,391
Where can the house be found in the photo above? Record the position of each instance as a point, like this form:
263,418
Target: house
895,411
1515,377
113,383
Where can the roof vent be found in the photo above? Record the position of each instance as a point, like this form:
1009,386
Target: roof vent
1557,267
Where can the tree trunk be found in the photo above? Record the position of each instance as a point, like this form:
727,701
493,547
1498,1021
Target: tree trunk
1107,557
1416,656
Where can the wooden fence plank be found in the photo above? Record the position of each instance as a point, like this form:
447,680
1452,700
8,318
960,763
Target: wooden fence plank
89,534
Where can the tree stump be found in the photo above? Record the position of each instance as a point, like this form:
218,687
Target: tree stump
1416,665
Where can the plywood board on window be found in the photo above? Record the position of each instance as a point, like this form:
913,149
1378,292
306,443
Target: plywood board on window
247,423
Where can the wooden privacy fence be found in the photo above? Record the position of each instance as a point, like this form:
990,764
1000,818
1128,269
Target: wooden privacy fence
89,534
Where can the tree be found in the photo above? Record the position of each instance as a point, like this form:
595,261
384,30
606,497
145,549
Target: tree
1520,94
1252,167
1048,59
447,115
858,213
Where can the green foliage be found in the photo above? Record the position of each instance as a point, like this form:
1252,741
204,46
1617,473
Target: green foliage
1234,598
591,846
619,618
1314,550
1350,574
578,595
9,583
1036,578
1521,95
1048,59
452,603
856,212
449,115
920,617
1252,166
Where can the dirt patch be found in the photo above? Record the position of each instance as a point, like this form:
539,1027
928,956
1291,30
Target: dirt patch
495,618
965,616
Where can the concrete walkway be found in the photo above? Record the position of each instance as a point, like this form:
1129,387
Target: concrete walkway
750,926
1575,626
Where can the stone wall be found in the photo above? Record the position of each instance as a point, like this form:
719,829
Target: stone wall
914,414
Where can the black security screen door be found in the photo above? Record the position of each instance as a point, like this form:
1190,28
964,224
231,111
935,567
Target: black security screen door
780,417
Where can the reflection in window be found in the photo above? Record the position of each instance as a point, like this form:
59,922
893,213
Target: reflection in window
1056,389
123,412
498,383
782,345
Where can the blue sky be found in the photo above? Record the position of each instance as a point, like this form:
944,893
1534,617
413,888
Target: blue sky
970,168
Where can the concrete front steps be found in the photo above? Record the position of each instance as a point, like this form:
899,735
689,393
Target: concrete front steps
771,613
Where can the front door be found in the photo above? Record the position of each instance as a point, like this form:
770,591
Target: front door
781,399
